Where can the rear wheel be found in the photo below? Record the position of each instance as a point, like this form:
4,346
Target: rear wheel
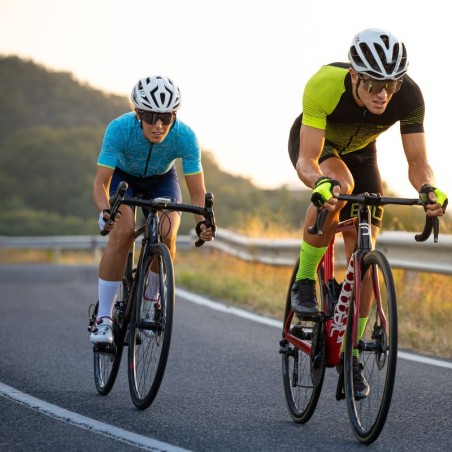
150,329
377,351
303,371
107,359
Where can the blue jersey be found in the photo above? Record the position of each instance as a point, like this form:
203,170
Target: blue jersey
125,147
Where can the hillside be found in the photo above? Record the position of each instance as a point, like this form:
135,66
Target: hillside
51,130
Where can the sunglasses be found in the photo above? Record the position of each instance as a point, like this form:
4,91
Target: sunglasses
375,86
151,117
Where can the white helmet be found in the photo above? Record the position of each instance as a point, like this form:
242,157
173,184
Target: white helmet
379,54
156,93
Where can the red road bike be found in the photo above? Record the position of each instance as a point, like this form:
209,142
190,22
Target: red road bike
308,347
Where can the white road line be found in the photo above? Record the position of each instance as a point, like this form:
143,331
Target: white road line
217,306
85,422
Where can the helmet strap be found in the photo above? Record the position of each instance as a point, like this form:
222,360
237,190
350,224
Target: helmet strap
356,88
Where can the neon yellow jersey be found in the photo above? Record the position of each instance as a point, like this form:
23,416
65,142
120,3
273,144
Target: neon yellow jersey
328,104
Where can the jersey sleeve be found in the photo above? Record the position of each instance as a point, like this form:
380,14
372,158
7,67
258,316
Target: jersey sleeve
413,121
191,155
322,94
111,144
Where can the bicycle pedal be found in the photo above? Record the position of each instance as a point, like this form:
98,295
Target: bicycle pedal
126,339
300,333
105,349
316,317
148,325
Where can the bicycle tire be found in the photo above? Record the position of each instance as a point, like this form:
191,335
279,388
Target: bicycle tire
301,379
377,352
149,343
107,360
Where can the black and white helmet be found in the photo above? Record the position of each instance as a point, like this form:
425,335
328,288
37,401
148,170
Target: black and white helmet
379,54
156,93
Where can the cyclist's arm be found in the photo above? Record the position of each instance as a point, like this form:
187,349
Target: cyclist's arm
311,145
419,169
101,187
197,191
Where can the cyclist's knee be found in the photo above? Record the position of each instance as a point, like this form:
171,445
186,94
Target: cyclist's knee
122,236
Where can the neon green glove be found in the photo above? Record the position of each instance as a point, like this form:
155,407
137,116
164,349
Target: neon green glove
441,197
323,190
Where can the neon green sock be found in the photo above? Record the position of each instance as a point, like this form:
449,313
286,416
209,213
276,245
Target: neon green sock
310,256
362,322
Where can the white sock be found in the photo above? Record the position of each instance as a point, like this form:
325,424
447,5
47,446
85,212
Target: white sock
108,291
152,286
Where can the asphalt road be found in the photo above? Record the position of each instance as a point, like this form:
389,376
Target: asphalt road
222,390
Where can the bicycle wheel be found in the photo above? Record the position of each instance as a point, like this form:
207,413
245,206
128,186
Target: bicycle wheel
377,352
303,372
107,359
150,336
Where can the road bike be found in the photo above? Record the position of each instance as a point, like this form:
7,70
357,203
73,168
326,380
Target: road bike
310,345
147,334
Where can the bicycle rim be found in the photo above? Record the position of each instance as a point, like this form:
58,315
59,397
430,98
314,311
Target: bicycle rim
302,374
378,352
108,360
150,337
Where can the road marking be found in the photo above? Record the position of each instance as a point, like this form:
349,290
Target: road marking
86,423
217,306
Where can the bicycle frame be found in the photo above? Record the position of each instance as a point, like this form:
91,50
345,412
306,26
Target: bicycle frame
336,319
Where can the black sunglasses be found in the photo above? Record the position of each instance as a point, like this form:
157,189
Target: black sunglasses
151,117
375,86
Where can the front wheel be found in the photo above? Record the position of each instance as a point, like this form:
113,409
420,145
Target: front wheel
150,325
303,370
376,354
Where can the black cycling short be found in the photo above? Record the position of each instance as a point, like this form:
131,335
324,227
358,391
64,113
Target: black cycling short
362,164
161,185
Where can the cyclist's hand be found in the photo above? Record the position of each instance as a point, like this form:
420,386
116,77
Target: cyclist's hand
434,200
324,193
104,223
203,232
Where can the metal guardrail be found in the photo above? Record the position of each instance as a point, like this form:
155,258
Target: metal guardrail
400,248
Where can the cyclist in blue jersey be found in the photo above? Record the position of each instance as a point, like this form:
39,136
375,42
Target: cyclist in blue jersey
332,146
140,147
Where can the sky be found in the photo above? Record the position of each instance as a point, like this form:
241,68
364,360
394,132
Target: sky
241,66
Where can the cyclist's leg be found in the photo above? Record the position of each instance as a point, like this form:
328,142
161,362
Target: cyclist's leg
313,247
111,270
363,166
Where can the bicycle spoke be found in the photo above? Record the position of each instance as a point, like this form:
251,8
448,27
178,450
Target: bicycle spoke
151,329
378,353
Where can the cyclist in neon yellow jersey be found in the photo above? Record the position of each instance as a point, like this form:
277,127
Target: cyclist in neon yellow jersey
332,146
140,147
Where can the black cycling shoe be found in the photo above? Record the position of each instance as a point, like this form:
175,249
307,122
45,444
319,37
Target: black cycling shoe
303,298
360,386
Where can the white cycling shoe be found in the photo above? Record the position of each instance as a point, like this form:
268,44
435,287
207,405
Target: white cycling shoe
102,332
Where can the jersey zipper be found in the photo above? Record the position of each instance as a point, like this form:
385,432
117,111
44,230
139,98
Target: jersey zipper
356,132
147,161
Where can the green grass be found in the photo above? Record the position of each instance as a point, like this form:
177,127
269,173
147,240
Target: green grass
424,301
